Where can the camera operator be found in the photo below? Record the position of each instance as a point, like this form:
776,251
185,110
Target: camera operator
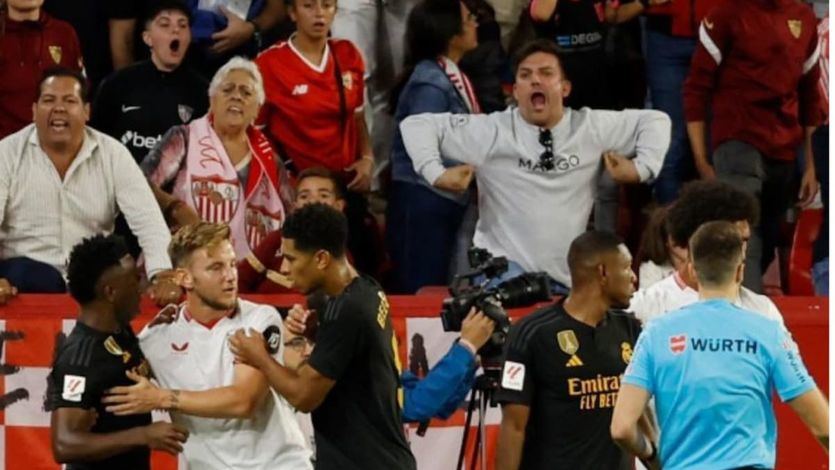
563,364
446,385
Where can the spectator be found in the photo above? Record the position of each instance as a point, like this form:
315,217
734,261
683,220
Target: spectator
487,66
31,41
820,149
97,354
61,181
220,166
139,103
233,419
578,28
714,401
671,31
260,271
658,254
423,218
221,29
377,28
98,24
311,72
700,202
537,165
762,93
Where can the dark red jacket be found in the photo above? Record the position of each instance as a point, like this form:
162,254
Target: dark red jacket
27,48
684,15
756,69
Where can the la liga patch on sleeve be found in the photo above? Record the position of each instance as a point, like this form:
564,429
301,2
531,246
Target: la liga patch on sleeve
272,335
74,386
513,377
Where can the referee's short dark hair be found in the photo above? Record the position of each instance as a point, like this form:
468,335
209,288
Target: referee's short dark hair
88,262
546,46
586,249
716,252
707,201
317,227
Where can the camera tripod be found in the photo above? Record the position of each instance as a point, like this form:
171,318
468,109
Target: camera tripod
483,389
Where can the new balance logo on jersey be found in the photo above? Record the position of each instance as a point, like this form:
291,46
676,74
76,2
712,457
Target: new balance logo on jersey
133,139
299,90
574,361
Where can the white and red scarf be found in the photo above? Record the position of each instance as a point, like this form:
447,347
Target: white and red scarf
212,187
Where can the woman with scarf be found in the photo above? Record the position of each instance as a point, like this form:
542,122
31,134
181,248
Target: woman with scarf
424,217
220,166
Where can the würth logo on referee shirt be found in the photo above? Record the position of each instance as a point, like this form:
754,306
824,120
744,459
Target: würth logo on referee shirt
678,344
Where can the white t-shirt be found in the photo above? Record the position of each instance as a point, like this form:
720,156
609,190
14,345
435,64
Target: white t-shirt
187,355
527,213
671,293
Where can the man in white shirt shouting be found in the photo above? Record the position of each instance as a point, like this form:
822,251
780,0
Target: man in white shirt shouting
536,164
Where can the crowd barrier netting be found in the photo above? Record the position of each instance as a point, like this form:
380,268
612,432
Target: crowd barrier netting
30,325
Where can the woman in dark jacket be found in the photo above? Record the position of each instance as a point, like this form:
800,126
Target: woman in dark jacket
424,216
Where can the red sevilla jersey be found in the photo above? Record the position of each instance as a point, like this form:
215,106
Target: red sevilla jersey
302,112
756,69
27,49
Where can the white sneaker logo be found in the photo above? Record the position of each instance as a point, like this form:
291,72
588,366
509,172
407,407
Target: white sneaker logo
300,90
125,109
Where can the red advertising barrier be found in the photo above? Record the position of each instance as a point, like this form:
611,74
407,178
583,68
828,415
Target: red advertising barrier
31,323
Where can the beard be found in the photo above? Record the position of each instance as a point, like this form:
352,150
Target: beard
215,304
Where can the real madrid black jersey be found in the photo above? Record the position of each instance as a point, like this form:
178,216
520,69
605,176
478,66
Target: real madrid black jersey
569,374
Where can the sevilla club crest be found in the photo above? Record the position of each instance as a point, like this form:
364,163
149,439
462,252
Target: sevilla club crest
795,27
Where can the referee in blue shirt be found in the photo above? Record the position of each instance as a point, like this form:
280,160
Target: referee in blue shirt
711,367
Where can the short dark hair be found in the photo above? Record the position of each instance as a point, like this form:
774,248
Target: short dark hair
707,201
64,72
317,227
430,27
586,249
546,46
716,251
89,260
322,172
160,6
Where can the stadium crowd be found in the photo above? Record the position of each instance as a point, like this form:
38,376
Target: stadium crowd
346,149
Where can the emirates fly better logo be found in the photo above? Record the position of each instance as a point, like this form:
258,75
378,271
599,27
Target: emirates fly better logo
678,344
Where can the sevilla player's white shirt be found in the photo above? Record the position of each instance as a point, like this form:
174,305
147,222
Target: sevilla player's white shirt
671,293
187,355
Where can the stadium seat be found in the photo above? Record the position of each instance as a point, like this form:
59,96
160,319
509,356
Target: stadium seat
800,259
